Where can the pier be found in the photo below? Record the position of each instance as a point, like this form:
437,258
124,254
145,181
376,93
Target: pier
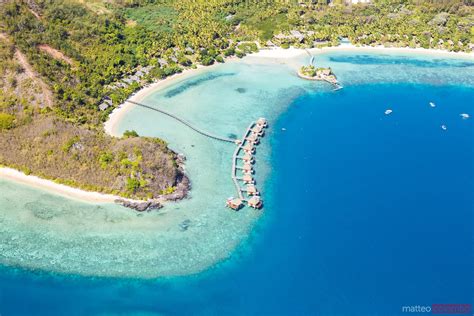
321,77
247,144
198,130
250,139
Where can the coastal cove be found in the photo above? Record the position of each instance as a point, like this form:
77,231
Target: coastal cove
325,153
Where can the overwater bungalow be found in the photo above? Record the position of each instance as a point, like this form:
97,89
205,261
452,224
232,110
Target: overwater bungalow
253,139
262,122
247,158
251,189
258,131
248,148
234,203
255,202
247,167
247,179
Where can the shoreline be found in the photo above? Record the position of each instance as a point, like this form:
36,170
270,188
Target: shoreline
60,189
117,115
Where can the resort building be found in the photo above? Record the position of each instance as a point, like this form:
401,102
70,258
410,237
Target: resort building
247,168
253,139
262,122
255,202
247,179
257,132
248,148
251,189
247,158
234,203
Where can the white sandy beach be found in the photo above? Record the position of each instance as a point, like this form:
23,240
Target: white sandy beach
60,189
119,112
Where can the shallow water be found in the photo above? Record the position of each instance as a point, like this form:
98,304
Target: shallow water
365,212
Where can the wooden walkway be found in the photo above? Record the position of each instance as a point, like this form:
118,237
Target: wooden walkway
234,162
235,156
198,130
311,60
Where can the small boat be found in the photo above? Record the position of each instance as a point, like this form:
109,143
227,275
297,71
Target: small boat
387,112
283,129
465,116
444,127
432,104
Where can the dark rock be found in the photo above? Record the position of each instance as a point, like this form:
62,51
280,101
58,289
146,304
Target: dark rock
182,189
185,225
140,206
241,90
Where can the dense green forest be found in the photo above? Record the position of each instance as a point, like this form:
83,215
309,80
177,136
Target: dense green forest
107,41
73,61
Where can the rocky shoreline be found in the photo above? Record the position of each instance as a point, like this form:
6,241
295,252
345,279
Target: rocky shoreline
183,186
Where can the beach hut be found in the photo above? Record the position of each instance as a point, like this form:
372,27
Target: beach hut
247,167
251,189
234,203
247,158
262,122
255,202
247,178
248,148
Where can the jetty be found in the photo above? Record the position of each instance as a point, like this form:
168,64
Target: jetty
241,173
310,72
198,130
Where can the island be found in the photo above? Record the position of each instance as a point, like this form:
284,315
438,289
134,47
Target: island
324,74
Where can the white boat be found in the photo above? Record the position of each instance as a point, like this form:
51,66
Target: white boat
444,127
387,112
465,116
432,104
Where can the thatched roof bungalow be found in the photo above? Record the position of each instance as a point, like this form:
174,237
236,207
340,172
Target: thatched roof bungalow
247,158
247,179
234,203
253,139
255,202
248,148
247,167
262,122
251,189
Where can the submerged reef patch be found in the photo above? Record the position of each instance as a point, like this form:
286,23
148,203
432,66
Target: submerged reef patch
195,82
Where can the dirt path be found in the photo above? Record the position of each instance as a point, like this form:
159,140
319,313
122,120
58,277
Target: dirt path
56,54
29,71
37,16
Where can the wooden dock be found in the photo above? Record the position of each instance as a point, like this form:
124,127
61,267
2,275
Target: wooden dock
255,130
235,156
246,141
198,130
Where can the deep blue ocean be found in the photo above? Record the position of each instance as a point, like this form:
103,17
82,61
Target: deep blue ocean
369,213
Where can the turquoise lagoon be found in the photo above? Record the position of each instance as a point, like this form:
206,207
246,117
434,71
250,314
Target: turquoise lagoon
364,212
